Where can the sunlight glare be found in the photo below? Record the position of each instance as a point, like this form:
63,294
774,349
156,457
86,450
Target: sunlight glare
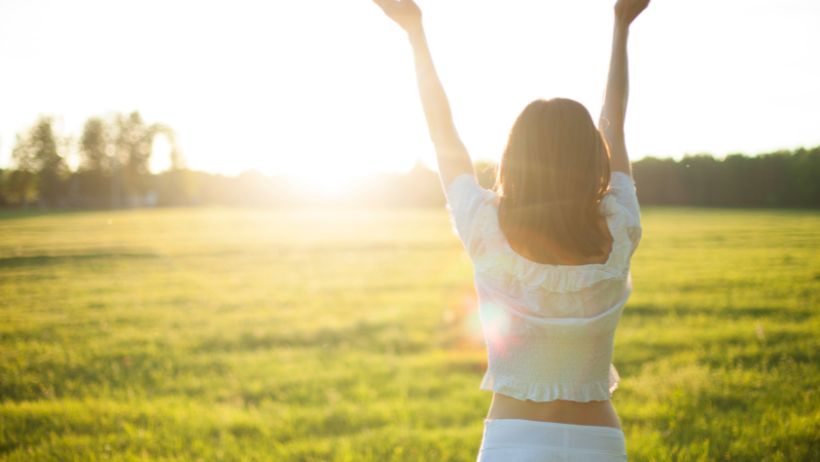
323,183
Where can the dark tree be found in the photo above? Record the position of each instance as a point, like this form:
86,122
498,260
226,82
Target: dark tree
778,179
93,177
132,153
94,147
35,153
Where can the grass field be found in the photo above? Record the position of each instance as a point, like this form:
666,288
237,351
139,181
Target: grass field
217,334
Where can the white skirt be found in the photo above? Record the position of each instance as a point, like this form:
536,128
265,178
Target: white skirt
517,440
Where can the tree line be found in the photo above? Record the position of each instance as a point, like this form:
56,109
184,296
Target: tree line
115,152
778,179
113,171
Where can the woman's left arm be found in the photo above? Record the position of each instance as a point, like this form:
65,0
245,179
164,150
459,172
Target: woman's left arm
453,159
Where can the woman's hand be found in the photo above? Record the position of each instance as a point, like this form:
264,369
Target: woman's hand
404,12
627,10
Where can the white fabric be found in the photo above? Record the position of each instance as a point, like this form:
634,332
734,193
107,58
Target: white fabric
548,328
518,440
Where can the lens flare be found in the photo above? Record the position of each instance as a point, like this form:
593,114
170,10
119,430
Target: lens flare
496,324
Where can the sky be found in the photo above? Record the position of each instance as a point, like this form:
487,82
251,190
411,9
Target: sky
327,88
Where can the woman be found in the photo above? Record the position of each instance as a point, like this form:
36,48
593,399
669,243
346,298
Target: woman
551,248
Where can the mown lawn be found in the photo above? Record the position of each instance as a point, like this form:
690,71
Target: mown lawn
244,334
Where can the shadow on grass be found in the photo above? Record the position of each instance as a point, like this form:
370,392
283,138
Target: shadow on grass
136,368
379,336
753,312
24,261
21,214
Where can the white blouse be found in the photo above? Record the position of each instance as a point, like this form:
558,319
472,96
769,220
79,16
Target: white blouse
548,329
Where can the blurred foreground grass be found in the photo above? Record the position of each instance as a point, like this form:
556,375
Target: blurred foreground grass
220,334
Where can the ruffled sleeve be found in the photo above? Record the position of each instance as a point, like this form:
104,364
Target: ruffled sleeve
465,201
624,194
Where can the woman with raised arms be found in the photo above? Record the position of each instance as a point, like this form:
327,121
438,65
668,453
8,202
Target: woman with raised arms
551,246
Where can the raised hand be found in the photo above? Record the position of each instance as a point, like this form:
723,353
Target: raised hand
613,113
404,12
627,10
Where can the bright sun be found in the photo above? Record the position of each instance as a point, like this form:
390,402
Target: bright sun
323,183
334,176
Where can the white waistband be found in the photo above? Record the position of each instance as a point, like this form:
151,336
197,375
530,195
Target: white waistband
519,432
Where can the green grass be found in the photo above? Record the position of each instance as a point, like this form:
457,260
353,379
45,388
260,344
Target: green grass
225,334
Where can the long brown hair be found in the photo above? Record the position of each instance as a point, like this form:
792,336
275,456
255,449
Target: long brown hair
551,179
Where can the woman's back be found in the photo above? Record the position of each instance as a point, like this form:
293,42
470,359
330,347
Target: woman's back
548,328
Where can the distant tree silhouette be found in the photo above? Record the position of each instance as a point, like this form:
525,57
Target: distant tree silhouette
93,177
35,154
177,160
94,146
133,141
779,179
177,185
115,155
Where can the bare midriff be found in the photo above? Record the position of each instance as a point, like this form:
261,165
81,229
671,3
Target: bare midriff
600,413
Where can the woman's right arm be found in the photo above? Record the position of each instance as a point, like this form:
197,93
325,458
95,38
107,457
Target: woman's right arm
453,159
613,113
